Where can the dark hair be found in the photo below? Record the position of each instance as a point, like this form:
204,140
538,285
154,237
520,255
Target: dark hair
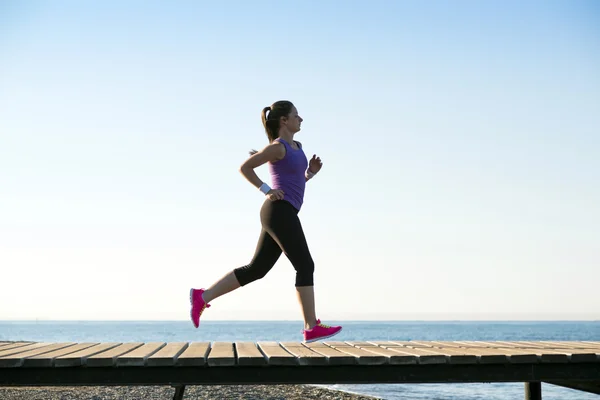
281,108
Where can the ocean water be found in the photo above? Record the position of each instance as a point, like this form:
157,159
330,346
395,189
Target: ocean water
85,331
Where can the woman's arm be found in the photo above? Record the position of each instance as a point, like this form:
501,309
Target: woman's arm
314,166
271,153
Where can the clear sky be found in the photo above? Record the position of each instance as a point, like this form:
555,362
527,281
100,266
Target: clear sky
460,143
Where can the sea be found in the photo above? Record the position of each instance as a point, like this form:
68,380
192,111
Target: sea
172,331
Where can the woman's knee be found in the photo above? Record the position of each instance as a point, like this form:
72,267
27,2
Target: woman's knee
250,273
305,273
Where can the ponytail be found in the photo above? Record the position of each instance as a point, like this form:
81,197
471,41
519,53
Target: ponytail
270,122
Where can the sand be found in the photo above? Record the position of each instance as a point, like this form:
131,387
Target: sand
247,392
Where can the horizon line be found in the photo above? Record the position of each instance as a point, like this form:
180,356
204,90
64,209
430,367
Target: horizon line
300,321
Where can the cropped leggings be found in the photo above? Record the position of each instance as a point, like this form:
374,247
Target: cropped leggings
281,233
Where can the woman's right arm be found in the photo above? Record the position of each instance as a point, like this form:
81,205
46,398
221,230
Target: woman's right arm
271,153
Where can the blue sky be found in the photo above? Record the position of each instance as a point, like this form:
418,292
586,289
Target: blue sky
459,140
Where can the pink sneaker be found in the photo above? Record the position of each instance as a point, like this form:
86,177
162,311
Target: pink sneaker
198,305
320,331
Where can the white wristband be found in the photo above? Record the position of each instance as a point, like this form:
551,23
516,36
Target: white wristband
264,188
308,174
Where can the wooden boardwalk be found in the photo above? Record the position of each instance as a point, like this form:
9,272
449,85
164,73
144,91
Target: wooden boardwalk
570,364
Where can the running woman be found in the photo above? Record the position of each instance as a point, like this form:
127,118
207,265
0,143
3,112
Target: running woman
281,230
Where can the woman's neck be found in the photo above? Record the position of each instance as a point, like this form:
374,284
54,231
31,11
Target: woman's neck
287,136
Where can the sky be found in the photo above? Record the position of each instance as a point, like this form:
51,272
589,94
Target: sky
460,145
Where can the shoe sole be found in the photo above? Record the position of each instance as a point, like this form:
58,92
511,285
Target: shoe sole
322,337
192,308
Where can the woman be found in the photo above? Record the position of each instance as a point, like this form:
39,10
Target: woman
281,229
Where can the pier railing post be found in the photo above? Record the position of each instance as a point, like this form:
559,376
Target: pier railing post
179,389
533,390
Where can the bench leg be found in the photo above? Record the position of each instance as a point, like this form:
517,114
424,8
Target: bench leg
179,392
533,390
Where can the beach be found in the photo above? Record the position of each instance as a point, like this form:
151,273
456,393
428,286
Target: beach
246,392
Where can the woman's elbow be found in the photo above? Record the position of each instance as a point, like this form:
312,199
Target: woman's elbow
244,169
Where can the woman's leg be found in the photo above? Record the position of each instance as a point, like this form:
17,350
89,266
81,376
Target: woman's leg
281,221
306,298
226,284
265,256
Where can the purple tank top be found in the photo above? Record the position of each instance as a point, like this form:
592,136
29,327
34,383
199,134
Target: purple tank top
287,174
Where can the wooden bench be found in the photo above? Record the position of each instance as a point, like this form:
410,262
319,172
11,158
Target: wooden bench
571,364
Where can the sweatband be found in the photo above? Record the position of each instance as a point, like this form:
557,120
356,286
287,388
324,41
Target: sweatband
264,188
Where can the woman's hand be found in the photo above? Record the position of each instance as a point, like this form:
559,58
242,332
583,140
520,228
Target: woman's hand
315,164
275,194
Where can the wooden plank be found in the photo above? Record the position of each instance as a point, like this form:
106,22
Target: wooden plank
569,345
16,360
422,355
334,343
541,354
549,356
221,355
524,351
454,355
108,358
79,357
363,357
500,344
249,354
513,356
195,355
519,356
334,357
479,343
399,343
303,354
445,344
566,355
18,347
534,345
511,345
356,343
494,344
386,343
47,359
138,356
275,354
393,356
472,344
558,345
167,355
583,355
588,345
415,343
488,356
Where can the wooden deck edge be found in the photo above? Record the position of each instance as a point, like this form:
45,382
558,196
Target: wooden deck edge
357,374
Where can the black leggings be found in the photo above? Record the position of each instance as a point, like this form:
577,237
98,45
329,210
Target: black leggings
281,232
